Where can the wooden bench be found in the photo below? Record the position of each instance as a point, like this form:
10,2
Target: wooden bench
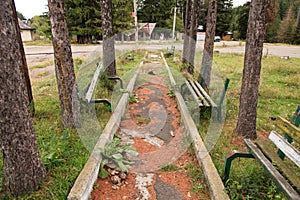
87,93
202,98
271,154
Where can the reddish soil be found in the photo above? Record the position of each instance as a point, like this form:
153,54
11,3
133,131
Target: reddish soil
145,118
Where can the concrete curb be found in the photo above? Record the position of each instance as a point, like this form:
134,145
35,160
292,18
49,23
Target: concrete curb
216,187
83,185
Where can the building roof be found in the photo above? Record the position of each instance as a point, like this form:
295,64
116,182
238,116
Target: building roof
24,26
143,27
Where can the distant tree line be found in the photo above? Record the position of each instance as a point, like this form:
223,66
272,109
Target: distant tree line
84,18
282,21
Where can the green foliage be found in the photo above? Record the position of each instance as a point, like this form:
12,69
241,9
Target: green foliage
133,98
169,167
194,172
281,21
224,16
171,94
84,19
123,20
42,26
243,20
114,154
156,11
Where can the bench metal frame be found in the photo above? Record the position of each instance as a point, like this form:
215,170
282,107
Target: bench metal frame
284,149
91,87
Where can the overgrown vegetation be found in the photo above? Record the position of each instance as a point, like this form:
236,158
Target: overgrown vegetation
114,155
62,150
278,95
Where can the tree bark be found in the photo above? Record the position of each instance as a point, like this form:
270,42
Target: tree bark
208,52
246,125
193,35
22,166
109,61
64,68
25,67
187,26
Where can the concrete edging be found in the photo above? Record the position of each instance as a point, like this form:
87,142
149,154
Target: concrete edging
216,187
83,185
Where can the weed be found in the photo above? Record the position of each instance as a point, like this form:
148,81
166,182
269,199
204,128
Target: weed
133,98
42,65
114,155
169,167
171,94
142,120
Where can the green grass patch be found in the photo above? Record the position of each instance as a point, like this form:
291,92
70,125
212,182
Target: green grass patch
169,167
65,151
42,65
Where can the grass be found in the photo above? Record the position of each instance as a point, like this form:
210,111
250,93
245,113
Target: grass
278,95
42,65
64,151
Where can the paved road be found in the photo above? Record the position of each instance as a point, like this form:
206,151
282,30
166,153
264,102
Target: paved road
39,54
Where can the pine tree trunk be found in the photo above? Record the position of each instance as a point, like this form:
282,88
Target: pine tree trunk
22,166
208,51
25,67
193,35
64,68
246,125
187,25
109,61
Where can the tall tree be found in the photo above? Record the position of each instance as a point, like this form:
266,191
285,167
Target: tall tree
208,51
22,166
224,16
193,35
243,20
64,67
109,61
24,66
156,11
187,27
84,19
246,125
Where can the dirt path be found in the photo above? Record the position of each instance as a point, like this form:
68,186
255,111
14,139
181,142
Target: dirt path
152,126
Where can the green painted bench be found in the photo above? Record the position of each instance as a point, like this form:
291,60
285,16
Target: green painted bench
202,97
86,95
272,152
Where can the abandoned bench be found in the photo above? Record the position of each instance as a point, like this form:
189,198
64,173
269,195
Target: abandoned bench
202,98
271,154
86,95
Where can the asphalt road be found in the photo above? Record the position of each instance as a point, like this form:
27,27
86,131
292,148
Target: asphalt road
40,54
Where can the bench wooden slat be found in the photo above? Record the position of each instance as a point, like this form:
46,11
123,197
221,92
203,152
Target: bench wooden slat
288,169
213,104
278,178
289,128
92,86
199,93
285,147
193,93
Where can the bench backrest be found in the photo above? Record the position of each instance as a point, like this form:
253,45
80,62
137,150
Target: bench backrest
296,117
291,135
92,86
290,151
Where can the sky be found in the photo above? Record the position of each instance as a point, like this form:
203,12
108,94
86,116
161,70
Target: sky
30,8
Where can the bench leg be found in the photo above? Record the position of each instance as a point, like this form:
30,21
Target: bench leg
105,101
118,79
230,158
